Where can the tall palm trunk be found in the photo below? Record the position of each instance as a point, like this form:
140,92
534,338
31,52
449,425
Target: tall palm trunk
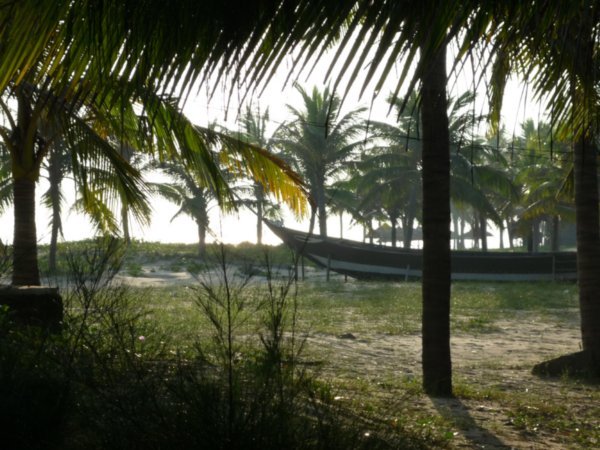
410,218
483,231
201,238
555,239
321,209
259,222
437,365
25,172
25,263
56,226
259,193
125,224
55,177
394,230
588,245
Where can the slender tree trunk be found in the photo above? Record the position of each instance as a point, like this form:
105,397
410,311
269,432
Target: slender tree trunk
322,211
25,262
437,364
501,229
55,180
393,237
411,213
588,245
483,230
530,239
259,221
455,228
408,231
475,232
555,239
52,253
341,224
201,238
125,224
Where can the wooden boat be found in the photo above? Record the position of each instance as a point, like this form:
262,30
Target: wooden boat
367,261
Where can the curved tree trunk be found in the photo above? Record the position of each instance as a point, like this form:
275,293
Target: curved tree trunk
25,262
437,365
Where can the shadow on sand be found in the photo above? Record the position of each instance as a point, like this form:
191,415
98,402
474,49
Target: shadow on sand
457,412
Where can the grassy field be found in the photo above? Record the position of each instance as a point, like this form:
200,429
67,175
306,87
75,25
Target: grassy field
358,343
363,339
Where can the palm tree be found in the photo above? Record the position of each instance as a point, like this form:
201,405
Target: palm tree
316,142
546,181
192,198
208,41
563,69
61,66
254,131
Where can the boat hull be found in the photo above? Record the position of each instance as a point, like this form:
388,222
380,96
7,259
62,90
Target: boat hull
365,261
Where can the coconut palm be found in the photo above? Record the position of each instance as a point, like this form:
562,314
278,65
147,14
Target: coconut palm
64,64
563,69
317,142
254,131
192,198
546,179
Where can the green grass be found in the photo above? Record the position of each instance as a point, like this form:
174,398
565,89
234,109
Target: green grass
172,321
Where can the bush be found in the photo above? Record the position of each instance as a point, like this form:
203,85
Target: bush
107,382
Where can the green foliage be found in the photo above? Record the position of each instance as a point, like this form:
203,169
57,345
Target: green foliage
111,379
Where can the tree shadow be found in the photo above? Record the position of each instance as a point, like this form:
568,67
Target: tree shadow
454,410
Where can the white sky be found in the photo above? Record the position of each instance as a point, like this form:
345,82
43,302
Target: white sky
241,227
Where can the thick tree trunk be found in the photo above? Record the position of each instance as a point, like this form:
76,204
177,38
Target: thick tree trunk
25,262
588,245
437,365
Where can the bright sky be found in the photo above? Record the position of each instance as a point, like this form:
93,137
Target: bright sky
240,227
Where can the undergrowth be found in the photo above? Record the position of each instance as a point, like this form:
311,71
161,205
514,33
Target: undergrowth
110,380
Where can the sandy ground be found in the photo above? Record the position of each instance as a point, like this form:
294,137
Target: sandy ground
500,360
